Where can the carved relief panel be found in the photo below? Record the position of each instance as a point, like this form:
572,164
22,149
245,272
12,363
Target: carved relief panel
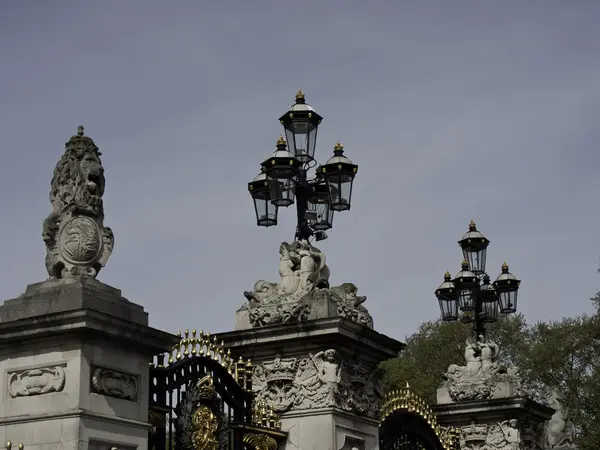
115,384
44,380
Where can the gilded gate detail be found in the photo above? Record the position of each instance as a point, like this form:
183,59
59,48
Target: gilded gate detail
408,423
201,399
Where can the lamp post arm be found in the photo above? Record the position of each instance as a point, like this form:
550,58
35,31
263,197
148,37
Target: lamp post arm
479,325
304,191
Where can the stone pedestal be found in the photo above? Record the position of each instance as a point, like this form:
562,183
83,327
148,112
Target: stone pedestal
321,376
74,364
484,420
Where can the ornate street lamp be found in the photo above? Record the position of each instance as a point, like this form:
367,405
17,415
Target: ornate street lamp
300,124
471,290
320,215
266,210
281,169
474,246
284,178
466,283
507,287
339,172
446,294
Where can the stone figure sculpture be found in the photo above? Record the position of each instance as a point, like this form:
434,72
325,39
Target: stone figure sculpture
559,431
304,279
329,373
504,436
302,268
77,243
482,375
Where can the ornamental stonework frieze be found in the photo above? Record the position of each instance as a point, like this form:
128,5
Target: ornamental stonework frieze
112,383
39,381
504,435
321,380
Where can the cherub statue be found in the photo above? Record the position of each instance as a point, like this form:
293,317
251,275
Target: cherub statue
329,372
505,436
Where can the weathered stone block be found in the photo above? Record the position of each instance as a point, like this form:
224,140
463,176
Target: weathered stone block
75,355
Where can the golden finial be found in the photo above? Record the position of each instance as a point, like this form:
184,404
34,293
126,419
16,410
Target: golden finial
472,225
21,446
79,133
407,385
280,141
338,146
8,445
504,265
300,95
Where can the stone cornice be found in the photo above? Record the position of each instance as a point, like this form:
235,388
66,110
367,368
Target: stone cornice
85,321
482,411
73,413
311,335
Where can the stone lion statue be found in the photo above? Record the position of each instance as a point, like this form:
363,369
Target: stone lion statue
76,194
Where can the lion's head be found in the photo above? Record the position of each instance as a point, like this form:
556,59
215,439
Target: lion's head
79,176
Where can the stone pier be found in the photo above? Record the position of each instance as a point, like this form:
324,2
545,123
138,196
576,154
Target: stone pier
487,402
315,354
74,353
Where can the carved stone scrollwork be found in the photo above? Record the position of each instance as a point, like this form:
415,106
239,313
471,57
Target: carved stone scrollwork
322,380
77,243
304,282
114,384
36,381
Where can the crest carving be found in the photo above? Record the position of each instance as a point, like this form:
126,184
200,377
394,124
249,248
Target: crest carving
203,424
322,380
504,435
77,243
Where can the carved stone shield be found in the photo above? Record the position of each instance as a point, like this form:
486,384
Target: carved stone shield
80,241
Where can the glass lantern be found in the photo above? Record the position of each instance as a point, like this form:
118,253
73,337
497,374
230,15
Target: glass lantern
474,246
300,124
266,210
339,172
446,295
507,287
466,283
320,215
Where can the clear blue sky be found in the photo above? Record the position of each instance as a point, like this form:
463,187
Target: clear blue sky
453,110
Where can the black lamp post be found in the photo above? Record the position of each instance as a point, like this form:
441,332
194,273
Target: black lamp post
284,177
471,290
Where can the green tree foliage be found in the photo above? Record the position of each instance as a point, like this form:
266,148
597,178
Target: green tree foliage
565,354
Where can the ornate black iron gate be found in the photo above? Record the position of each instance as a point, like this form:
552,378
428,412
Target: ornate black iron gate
200,398
408,423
